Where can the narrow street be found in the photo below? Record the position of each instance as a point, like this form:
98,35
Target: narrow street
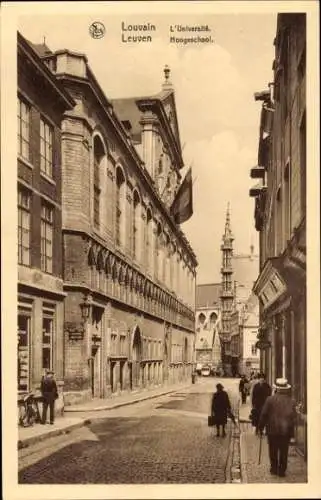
163,440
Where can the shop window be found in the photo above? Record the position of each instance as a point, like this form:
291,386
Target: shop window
46,237
24,331
46,134
23,130
48,318
24,227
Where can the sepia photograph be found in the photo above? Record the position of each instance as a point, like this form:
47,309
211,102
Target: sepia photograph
162,252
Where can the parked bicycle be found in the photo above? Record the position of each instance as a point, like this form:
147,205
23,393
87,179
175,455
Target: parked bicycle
29,411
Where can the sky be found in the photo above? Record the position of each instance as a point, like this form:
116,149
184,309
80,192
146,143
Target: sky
214,86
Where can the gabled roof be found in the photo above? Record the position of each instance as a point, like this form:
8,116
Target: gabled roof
208,295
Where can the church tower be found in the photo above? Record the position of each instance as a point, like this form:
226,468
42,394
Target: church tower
227,293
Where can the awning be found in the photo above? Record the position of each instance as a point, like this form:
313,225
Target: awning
278,279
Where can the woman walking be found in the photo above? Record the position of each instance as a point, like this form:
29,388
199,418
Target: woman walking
221,408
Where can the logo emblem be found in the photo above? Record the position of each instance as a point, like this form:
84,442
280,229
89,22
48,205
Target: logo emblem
97,30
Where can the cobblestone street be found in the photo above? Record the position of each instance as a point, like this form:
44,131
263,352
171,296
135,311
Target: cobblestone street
165,440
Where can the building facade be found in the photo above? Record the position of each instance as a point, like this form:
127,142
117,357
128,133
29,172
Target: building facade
207,322
129,271
40,271
249,360
280,216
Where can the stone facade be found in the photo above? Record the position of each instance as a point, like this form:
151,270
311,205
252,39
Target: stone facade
129,271
40,273
280,216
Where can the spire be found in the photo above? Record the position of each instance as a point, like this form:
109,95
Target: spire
167,83
228,232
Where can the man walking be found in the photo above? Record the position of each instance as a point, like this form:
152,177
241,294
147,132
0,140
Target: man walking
261,391
243,388
50,394
278,415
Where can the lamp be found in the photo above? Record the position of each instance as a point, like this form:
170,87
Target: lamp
85,308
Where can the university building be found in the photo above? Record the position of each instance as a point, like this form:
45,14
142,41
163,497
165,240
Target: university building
280,216
129,271
42,101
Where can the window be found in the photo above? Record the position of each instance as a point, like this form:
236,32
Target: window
135,225
23,227
24,320
46,148
120,195
46,237
148,238
48,316
23,129
254,349
96,193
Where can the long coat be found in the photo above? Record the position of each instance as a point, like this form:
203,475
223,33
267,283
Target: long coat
221,407
49,389
260,392
278,415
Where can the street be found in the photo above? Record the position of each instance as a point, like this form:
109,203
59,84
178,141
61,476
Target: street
163,440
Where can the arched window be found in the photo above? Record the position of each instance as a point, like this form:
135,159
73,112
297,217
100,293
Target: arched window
213,318
99,153
120,206
201,318
135,225
148,238
159,251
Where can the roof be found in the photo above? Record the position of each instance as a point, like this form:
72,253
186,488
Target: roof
245,268
127,110
39,67
208,295
41,48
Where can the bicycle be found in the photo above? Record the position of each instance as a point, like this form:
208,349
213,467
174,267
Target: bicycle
31,412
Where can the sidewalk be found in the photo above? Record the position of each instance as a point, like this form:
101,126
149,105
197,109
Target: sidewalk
72,420
251,471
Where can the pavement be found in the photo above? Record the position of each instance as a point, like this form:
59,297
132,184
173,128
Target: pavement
80,415
251,470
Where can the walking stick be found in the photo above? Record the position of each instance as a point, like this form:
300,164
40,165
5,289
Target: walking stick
260,448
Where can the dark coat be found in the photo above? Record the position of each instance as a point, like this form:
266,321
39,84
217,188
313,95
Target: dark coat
243,385
48,389
278,415
260,392
221,407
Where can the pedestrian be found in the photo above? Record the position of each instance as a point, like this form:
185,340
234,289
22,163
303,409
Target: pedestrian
261,391
278,415
49,394
243,388
220,409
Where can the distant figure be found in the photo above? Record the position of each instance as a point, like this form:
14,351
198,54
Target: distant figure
221,408
254,380
261,391
243,388
50,394
278,415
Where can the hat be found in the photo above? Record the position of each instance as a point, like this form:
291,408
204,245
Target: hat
281,384
50,371
219,386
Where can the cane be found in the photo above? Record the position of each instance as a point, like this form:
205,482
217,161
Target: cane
260,448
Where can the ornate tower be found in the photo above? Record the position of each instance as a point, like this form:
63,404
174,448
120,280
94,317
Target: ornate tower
227,292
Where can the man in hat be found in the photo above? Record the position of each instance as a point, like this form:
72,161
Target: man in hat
278,415
49,394
261,390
